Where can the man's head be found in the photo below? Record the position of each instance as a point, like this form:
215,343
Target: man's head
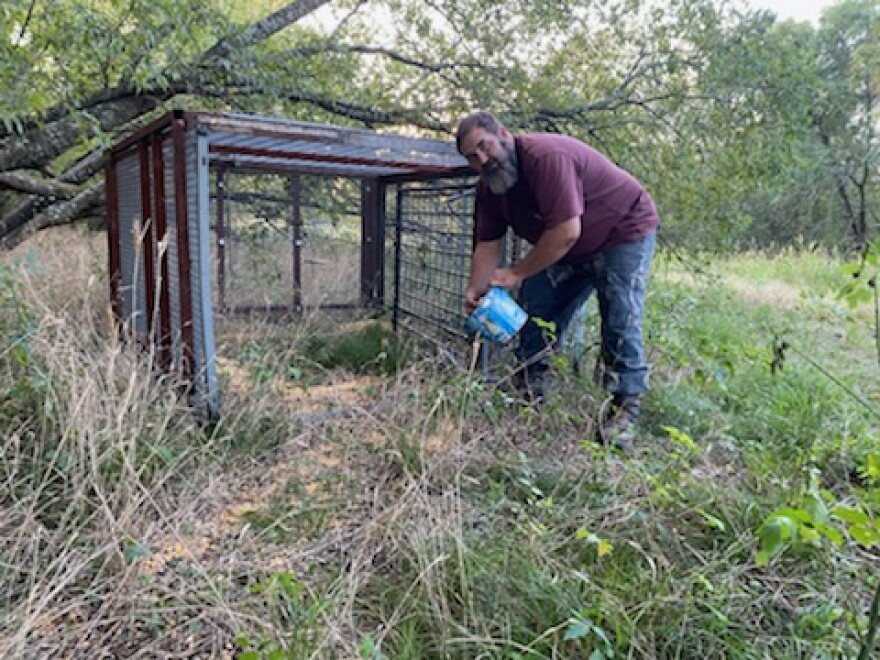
489,150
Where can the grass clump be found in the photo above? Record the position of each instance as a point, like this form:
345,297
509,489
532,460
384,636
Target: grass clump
370,347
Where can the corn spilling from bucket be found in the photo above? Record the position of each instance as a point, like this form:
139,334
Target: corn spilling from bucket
498,318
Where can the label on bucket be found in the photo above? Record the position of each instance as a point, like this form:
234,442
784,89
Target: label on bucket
497,318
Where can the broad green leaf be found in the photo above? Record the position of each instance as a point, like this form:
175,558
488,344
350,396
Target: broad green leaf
809,535
872,466
817,508
865,536
577,630
770,541
850,515
835,537
798,515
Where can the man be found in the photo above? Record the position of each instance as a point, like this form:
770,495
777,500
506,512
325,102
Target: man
592,227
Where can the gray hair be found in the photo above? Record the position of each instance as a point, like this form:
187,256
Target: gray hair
478,119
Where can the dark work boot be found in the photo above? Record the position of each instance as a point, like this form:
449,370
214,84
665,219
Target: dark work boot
619,428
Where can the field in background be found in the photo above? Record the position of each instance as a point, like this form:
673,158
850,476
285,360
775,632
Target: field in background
357,500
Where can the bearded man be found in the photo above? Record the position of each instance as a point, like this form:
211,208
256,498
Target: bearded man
592,227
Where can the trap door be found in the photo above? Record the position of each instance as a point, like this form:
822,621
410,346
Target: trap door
432,240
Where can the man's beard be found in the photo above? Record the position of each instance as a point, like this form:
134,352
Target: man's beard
504,176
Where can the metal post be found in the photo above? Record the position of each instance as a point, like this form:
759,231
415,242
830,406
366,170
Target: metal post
114,260
221,239
296,223
372,243
398,240
183,257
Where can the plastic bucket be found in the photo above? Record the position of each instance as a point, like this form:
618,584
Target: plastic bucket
497,318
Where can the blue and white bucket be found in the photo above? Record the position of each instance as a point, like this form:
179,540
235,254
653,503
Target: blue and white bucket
497,318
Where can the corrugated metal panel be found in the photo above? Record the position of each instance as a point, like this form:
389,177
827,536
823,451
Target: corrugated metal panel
193,214
132,286
210,402
173,264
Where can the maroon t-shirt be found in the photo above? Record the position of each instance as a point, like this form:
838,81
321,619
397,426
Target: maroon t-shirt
561,178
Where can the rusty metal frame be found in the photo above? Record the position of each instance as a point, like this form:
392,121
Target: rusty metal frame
372,242
296,222
221,237
178,140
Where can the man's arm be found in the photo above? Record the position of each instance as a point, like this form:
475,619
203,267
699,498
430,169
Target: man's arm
550,248
487,257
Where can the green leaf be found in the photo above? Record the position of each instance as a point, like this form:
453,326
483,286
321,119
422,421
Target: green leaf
797,515
835,537
135,550
604,548
816,507
872,466
680,437
712,521
809,535
577,630
770,541
367,648
865,536
163,452
850,515
773,535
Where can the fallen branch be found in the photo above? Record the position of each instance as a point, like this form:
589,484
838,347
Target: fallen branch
58,214
28,184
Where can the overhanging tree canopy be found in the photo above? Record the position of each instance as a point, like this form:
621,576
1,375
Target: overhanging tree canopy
751,118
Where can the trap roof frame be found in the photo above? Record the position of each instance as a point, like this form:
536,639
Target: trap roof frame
159,225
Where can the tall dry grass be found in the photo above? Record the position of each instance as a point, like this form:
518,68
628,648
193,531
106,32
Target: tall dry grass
95,444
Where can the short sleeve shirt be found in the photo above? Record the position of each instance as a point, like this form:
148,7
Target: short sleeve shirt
562,178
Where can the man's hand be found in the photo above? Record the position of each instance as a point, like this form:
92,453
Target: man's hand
487,257
506,277
472,299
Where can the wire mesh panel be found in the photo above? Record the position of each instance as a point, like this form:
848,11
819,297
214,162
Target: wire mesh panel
432,241
131,231
285,242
